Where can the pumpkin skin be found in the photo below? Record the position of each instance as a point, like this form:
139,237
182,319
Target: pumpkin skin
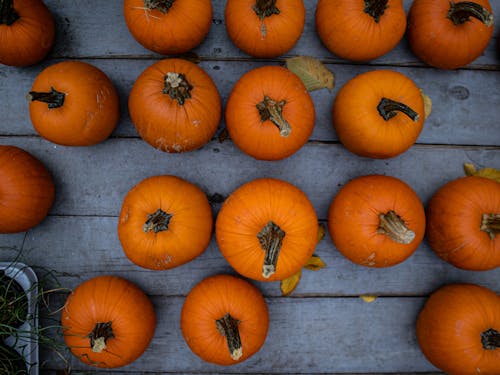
73,103
356,31
262,215
164,222
211,300
27,32
26,190
113,310
361,127
438,41
456,228
176,124
167,29
457,329
359,220
253,130
264,28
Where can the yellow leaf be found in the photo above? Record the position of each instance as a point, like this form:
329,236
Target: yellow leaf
368,298
491,173
321,231
315,263
289,284
427,104
312,72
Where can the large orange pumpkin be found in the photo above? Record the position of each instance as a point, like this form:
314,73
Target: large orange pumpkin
224,320
458,330
464,223
267,229
26,190
264,28
108,322
376,221
269,113
175,106
73,103
27,32
360,30
168,26
164,222
449,34
378,114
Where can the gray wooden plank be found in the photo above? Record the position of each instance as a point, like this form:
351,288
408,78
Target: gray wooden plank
11,243
94,28
464,102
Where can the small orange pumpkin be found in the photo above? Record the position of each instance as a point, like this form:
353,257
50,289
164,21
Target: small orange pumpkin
269,113
458,330
464,223
175,106
224,320
376,221
164,222
449,34
267,229
264,28
26,190
360,30
73,103
108,322
27,32
378,114
168,26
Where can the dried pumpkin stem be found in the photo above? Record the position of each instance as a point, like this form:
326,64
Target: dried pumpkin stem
395,228
460,13
8,15
157,222
490,339
272,110
161,5
388,108
376,8
54,98
270,238
99,336
490,223
177,87
265,8
228,327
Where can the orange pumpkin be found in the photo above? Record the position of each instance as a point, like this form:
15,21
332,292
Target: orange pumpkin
175,106
449,34
26,190
224,320
376,221
264,28
168,26
269,113
378,114
164,222
458,330
360,30
27,32
267,229
464,223
108,322
73,103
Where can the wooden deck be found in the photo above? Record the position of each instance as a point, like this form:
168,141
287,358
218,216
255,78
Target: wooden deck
323,327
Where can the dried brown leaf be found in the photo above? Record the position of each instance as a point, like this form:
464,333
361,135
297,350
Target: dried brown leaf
315,263
491,173
312,72
289,284
223,135
427,104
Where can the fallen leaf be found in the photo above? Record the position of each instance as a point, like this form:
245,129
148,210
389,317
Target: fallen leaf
368,298
315,263
223,135
321,231
312,72
289,284
427,104
491,173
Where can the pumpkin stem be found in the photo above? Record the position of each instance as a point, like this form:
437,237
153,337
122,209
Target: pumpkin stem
387,108
394,227
99,336
490,223
376,8
228,327
265,8
157,222
177,87
273,111
54,98
490,339
270,238
161,5
7,13
460,13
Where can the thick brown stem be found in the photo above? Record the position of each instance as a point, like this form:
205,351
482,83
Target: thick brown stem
157,222
99,336
395,228
376,8
228,327
462,12
273,111
54,98
388,108
8,15
177,87
265,8
161,5
490,223
490,339
270,238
